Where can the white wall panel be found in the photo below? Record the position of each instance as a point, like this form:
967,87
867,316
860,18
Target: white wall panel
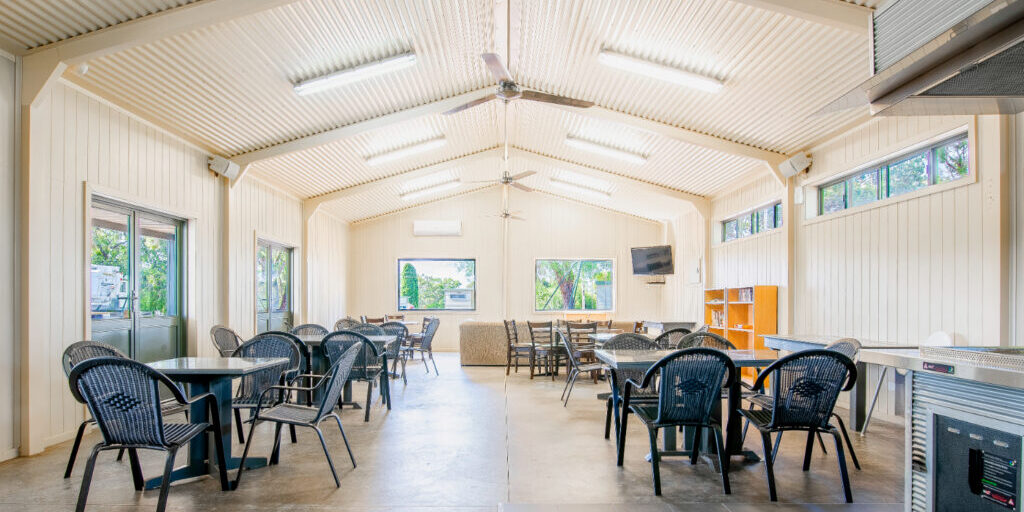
684,294
10,381
76,139
555,228
328,257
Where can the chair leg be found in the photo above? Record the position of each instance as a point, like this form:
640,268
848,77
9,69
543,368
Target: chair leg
165,484
566,386
328,455
652,433
218,445
622,435
434,363
291,430
133,457
245,454
809,448
849,445
369,397
404,380
239,427
275,450
778,441
533,363
74,449
723,459
508,362
842,467
345,438
695,449
572,384
608,419
821,443
90,465
769,463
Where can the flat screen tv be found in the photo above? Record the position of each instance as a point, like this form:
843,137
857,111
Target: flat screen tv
652,261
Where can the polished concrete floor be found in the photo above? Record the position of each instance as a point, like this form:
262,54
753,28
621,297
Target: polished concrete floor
472,439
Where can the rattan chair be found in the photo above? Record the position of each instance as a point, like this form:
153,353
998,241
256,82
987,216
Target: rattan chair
374,321
394,349
345,323
670,339
805,386
225,339
626,341
514,350
425,346
283,413
369,366
576,367
367,329
543,348
252,385
124,398
310,330
690,382
705,339
83,351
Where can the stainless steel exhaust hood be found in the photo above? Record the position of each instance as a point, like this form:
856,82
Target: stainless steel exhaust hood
974,66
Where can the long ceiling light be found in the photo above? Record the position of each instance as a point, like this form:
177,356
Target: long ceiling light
601,149
666,73
576,188
355,74
404,151
440,187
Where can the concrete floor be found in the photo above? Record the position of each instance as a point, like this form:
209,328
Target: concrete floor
471,439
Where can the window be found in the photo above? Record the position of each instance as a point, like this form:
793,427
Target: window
757,221
939,163
574,285
273,287
436,284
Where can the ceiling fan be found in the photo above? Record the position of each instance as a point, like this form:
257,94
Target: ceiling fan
509,90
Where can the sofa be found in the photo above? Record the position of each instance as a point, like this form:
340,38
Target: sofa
485,344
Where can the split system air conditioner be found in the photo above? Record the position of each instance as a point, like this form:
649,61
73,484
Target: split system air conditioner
437,228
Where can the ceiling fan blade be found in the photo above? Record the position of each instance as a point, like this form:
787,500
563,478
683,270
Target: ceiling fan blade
493,182
498,70
557,100
522,187
522,175
515,217
464,106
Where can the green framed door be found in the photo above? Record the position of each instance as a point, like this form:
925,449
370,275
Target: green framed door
273,287
135,281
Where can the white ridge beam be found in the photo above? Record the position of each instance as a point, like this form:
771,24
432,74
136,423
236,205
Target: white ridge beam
834,13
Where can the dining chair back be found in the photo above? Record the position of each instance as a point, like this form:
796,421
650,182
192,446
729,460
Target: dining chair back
394,318
84,350
670,339
310,330
367,363
225,339
848,347
345,323
578,332
394,348
367,329
267,345
374,320
705,339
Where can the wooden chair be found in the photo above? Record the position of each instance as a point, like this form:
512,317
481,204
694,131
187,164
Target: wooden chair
515,350
394,318
374,321
543,347
578,336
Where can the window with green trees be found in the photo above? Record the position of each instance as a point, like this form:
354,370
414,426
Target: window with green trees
574,285
436,284
750,223
939,163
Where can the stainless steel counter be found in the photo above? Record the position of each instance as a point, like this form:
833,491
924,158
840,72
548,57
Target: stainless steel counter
914,360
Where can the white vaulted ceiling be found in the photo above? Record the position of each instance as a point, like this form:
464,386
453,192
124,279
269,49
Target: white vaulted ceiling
228,87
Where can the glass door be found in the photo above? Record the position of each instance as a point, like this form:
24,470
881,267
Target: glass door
273,287
135,281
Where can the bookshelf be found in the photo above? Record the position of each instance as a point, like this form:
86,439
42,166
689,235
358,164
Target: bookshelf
742,315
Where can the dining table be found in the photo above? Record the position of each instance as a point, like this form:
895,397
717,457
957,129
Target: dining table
211,375
318,363
620,360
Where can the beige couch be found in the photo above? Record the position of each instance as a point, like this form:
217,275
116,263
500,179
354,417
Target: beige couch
485,344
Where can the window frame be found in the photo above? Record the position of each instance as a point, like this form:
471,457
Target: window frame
884,193
615,286
775,206
398,285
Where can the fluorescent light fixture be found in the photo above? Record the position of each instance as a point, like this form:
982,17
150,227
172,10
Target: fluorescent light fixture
665,73
576,188
408,196
355,74
601,149
404,151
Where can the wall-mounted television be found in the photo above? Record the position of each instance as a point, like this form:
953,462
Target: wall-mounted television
652,261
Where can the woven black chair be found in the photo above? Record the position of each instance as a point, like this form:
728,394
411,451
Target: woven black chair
805,386
310,330
225,339
83,351
514,350
690,382
670,339
394,349
425,347
626,341
345,323
251,386
124,398
705,339
576,367
369,366
543,348
283,413
367,329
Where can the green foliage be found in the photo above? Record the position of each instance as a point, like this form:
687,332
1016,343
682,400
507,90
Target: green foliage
570,284
110,248
951,161
410,288
908,175
432,290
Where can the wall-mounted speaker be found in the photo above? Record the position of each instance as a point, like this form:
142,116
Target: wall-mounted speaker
795,165
223,167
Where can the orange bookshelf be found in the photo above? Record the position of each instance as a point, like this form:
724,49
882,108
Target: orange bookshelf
742,315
